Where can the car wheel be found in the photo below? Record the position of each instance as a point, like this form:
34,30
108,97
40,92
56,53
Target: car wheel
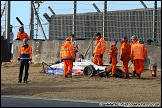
119,73
89,71
103,74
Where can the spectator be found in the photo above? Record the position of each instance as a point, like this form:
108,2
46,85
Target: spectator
11,40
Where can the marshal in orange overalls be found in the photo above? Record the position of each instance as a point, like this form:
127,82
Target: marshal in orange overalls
99,50
112,54
125,51
138,54
134,41
67,55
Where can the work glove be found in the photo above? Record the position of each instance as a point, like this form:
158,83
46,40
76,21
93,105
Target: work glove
101,56
145,58
30,59
93,55
121,59
18,59
76,51
132,60
110,61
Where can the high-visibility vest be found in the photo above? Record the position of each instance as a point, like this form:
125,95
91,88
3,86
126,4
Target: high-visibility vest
100,47
138,51
67,51
25,52
125,51
112,51
23,35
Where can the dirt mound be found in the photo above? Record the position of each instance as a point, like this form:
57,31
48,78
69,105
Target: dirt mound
36,65
146,89
10,64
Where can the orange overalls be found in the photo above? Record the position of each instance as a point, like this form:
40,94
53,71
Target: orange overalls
67,55
133,68
23,35
138,53
125,51
112,54
25,55
100,47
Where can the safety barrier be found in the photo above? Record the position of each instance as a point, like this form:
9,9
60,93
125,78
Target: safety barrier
49,51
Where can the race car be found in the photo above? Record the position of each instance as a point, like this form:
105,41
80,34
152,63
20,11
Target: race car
81,67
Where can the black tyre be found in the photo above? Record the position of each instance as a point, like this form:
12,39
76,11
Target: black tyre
119,73
103,74
89,71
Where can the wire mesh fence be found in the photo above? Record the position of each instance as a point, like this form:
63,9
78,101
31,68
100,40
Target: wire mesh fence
118,23
122,18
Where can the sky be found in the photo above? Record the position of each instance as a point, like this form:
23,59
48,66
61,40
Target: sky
21,9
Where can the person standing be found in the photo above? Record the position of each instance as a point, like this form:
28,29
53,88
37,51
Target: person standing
138,55
22,34
24,56
134,41
11,40
74,42
112,54
67,55
125,55
99,50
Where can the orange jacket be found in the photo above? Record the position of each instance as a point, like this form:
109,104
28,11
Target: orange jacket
67,51
100,47
23,35
112,51
25,52
121,42
138,51
125,51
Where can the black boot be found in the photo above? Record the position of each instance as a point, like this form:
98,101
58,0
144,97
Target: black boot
138,75
127,76
115,75
134,73
107,74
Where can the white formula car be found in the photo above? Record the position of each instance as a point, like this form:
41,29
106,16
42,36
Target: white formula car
82,67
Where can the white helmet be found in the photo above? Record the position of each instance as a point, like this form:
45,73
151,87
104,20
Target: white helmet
134,37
